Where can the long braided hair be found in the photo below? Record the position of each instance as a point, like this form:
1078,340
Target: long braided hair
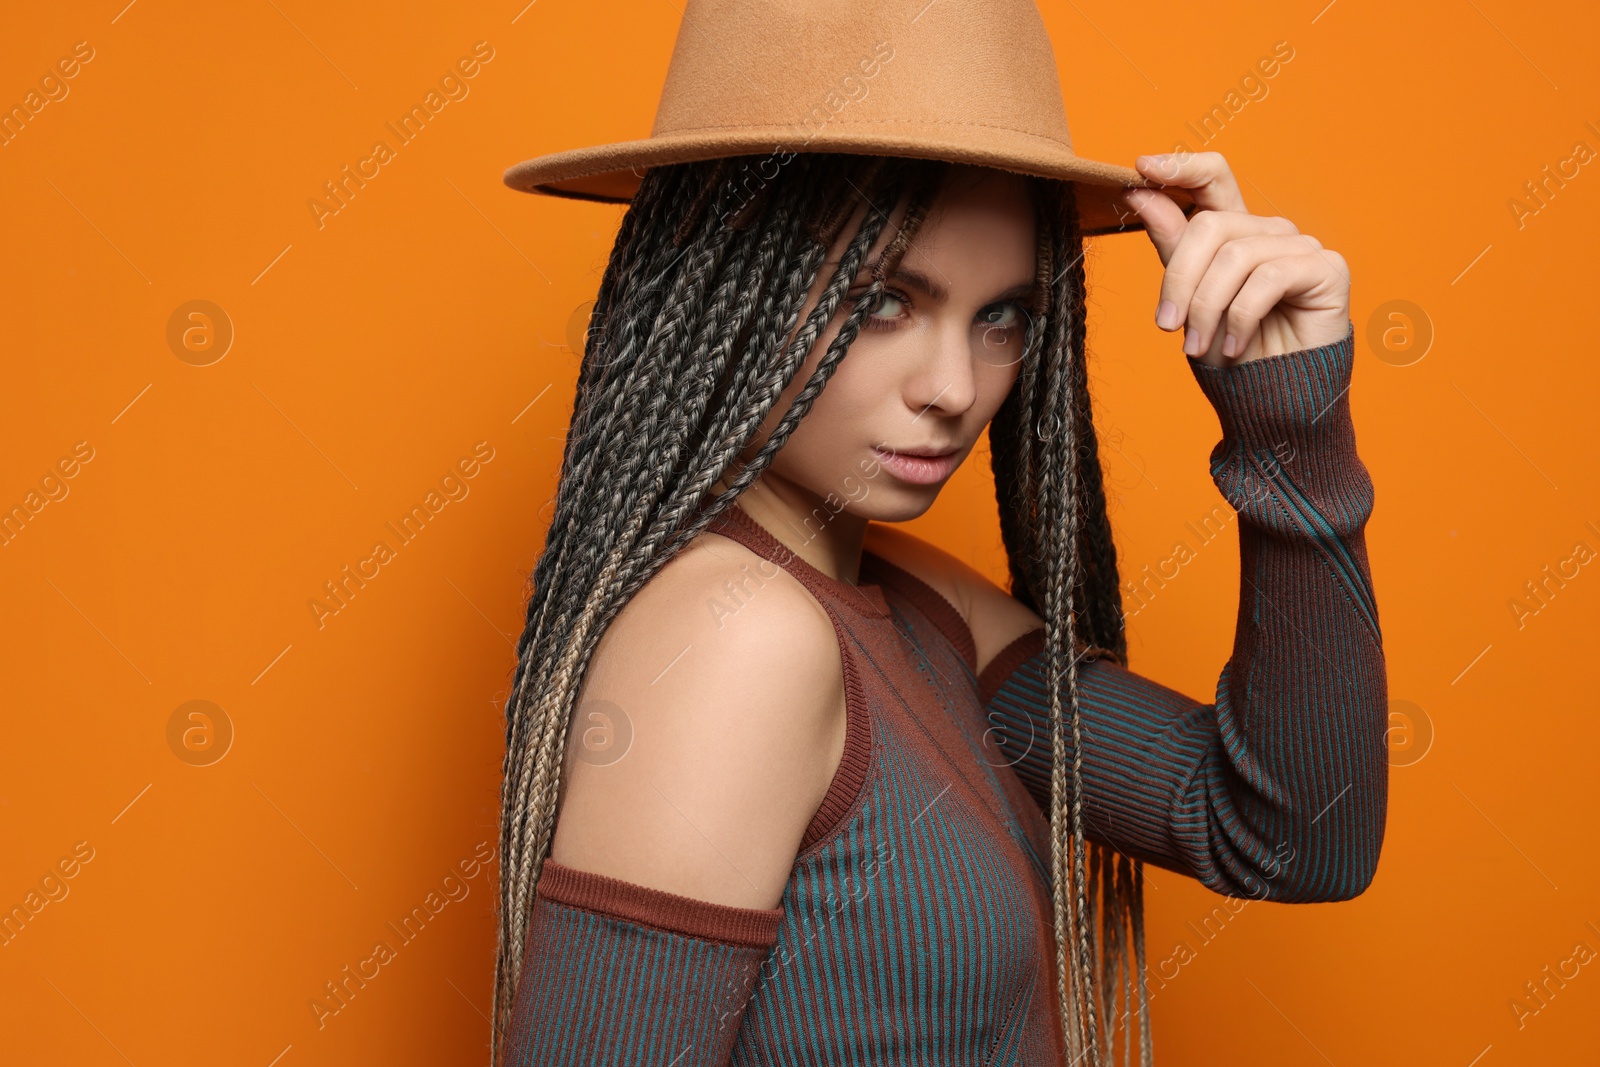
684,360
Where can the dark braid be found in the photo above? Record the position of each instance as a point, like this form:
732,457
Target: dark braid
1051,495
1096,550
684,361
1013,466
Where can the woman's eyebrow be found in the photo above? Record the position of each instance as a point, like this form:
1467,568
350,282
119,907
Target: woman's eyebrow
918,280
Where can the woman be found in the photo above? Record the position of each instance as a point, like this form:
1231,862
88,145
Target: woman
783,786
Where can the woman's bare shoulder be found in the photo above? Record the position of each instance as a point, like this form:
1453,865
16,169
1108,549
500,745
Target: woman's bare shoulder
708,728
995,617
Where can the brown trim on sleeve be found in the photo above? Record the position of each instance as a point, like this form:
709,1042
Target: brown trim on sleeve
1019,651
648,906
932,603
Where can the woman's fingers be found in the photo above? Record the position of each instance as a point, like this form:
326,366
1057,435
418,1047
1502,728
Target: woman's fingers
1229,273
1207,174
1275,281
1206,238
1207,289
1163,219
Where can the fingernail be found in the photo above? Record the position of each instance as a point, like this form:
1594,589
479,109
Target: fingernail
1167,315
1191,342
1229,343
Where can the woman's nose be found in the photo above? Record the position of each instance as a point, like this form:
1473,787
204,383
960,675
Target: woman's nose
944,377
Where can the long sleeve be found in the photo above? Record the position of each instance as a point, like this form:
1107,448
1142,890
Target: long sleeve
1278,789
619,973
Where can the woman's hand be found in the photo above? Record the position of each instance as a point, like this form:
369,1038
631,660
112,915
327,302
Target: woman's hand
1242,286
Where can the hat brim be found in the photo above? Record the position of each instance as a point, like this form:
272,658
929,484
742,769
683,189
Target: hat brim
611,173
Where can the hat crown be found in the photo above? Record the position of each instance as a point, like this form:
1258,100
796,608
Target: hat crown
971,82
829,68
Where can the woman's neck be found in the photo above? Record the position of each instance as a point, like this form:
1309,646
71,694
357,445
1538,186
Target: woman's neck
815,528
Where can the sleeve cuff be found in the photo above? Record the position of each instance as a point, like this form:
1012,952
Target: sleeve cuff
648,906
1299,396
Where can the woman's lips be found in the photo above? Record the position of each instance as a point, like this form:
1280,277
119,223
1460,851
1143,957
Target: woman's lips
918,470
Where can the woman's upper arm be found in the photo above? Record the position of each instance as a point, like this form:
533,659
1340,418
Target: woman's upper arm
702,746
703,741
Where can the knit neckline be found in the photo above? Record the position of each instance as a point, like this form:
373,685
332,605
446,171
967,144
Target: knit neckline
866,598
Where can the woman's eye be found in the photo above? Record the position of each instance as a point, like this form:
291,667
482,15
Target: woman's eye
890,307
1001,316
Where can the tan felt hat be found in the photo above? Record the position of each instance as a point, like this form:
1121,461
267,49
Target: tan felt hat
969,81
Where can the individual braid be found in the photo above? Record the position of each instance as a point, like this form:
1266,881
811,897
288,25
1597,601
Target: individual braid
1054,524
1120,903
667,401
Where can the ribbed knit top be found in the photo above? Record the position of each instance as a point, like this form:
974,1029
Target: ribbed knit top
916,924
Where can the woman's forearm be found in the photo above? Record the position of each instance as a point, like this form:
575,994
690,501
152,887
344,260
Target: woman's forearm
1278,789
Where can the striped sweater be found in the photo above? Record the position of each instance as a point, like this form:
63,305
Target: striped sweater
916,925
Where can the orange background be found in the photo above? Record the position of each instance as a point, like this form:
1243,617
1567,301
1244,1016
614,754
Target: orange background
432,312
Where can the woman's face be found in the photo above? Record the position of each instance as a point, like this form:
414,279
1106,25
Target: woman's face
929,368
